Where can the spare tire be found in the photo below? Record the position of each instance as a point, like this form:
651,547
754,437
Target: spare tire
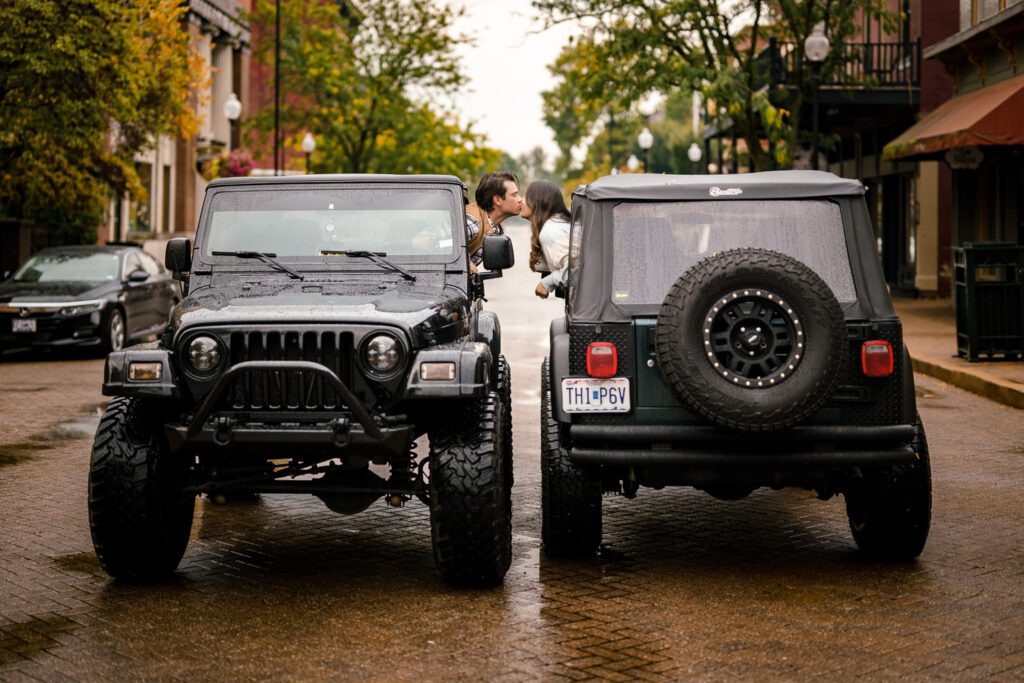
751,340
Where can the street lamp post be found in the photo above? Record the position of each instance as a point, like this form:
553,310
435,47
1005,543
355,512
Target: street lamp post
632,163
816,49
695,154
646,141
308,145
232,110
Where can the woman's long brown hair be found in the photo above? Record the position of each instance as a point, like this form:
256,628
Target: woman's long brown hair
545,198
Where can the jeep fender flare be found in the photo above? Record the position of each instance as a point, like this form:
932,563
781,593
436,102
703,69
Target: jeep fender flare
559,366
474,367
488,331
115,373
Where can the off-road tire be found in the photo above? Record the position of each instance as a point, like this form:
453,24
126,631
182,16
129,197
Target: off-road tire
890,509
504,390
682,353
470,505
570,493
139,518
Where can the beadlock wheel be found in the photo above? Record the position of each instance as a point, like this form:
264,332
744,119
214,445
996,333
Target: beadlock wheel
753,338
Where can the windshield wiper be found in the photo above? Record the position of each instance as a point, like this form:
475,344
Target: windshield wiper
375,256
266,257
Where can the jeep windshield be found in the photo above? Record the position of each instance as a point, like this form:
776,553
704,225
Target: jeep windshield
655,242
410,225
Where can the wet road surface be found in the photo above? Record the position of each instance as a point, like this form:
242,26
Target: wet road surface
770,587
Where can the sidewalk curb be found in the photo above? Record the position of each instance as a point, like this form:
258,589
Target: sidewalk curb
974,382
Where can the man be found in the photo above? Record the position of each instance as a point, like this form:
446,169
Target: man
497,198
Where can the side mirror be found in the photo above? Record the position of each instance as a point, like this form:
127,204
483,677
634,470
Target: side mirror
138,276
178,256
498,254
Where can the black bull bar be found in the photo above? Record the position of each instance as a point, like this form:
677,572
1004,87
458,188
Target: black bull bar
370,427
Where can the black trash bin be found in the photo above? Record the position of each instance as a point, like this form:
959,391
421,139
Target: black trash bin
989,289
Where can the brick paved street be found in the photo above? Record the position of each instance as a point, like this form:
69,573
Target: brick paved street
770,587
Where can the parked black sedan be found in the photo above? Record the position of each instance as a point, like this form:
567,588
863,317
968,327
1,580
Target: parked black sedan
86,296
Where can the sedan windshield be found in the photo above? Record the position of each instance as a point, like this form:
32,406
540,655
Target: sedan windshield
654,243
68,266
410,225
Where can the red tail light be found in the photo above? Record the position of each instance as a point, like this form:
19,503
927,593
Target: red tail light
602,359
876,358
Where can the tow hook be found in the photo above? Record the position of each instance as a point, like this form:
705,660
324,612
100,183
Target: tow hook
342,436
222,430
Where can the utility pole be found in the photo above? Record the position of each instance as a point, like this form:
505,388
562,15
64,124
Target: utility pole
277,87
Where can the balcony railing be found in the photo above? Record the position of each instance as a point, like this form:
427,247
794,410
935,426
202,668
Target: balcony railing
863,66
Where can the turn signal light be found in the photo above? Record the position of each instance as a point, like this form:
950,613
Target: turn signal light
876,358
437,372
602,359
145,372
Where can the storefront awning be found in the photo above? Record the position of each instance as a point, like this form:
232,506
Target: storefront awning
993,115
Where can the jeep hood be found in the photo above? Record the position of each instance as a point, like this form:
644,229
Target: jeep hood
428,314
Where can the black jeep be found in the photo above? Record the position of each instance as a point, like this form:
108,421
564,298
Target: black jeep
328,322
730,333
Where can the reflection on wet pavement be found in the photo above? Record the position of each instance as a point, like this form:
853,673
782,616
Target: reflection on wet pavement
686,586
80,428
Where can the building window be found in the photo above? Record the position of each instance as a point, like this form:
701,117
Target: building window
116,226
976,11
165,213
140,214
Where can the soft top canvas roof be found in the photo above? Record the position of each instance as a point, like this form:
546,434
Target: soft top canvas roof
766,185
335,178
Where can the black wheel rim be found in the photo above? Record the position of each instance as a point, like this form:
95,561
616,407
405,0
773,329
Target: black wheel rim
753,339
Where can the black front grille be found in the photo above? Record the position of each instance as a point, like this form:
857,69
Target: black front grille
291,390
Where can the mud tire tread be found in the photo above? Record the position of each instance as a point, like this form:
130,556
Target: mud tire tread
470,511
504,389
570,494
890,511
139,521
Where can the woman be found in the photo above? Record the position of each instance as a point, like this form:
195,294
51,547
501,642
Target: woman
549,239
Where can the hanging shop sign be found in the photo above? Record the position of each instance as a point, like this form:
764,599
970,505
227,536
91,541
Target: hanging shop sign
968,158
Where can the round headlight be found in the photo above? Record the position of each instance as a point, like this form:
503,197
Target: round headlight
383,354
204,353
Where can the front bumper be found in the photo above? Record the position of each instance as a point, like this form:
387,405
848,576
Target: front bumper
319,435
54,330
701,447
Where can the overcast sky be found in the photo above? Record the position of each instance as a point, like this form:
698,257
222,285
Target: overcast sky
507,70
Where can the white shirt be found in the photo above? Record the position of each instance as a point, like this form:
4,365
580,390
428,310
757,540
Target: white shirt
554,242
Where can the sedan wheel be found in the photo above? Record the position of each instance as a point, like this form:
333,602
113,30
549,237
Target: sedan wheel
116,331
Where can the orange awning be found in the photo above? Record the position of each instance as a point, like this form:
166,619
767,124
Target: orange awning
993,115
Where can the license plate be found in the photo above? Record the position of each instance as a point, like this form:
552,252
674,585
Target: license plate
23,325
586,395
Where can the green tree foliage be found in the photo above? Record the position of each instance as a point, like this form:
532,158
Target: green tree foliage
84,86
367,84
635,47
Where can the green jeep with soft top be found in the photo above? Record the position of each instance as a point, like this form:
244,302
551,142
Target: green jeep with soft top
730,333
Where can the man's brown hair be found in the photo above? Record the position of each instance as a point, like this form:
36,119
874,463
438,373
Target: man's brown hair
492,185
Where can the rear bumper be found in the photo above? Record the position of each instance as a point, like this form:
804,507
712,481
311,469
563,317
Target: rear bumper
810,447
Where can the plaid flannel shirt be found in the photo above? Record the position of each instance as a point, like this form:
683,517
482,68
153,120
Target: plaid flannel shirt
472,230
